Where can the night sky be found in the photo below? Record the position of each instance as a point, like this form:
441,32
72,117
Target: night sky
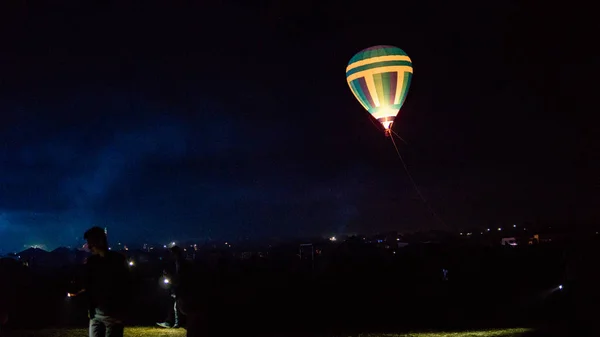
230,120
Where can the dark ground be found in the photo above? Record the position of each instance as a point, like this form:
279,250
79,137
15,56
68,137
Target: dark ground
353,291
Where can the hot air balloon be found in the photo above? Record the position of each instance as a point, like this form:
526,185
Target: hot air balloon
379,78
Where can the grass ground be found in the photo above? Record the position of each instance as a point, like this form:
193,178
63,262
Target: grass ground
159,332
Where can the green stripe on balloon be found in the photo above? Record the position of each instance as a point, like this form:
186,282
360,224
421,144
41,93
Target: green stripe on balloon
378,65
376,52
356,88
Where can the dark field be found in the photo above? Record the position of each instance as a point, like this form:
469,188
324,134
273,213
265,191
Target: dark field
351,290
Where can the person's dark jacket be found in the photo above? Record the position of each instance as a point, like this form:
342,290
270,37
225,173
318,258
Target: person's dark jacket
182,277
188,287
107,284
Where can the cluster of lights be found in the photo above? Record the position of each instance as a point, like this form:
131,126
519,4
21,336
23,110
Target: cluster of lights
499,230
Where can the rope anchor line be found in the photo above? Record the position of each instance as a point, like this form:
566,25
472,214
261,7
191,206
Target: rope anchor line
392,133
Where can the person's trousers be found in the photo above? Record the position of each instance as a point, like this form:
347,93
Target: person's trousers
105,326
173,316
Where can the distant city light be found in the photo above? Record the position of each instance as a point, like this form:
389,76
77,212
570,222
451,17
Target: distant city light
499,228
131,263
332,238
560,287
515,226
166,281
488,229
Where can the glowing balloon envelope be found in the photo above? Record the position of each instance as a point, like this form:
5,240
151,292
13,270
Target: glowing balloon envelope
379,78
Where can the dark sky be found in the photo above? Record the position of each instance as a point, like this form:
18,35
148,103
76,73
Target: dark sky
229,120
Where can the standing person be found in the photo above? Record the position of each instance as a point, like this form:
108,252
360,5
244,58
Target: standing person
193,299
173,316
107,286
178,278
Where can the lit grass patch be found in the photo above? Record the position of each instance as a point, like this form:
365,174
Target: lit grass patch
159,332
474,333
129,332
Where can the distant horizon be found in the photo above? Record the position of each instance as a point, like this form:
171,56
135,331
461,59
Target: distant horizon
568,228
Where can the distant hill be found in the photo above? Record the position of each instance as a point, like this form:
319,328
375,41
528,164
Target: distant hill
63,250
33,252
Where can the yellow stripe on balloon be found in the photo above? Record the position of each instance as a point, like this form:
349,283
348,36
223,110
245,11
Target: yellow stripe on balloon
378,59
399,84
369,72
379,90
372,90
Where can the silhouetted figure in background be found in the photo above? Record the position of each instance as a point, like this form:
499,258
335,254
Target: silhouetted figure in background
107,286
192,298
179,270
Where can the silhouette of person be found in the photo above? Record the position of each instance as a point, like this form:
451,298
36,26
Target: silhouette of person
180,270
106,286
191,290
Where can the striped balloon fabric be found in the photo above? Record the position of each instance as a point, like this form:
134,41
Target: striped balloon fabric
379,78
